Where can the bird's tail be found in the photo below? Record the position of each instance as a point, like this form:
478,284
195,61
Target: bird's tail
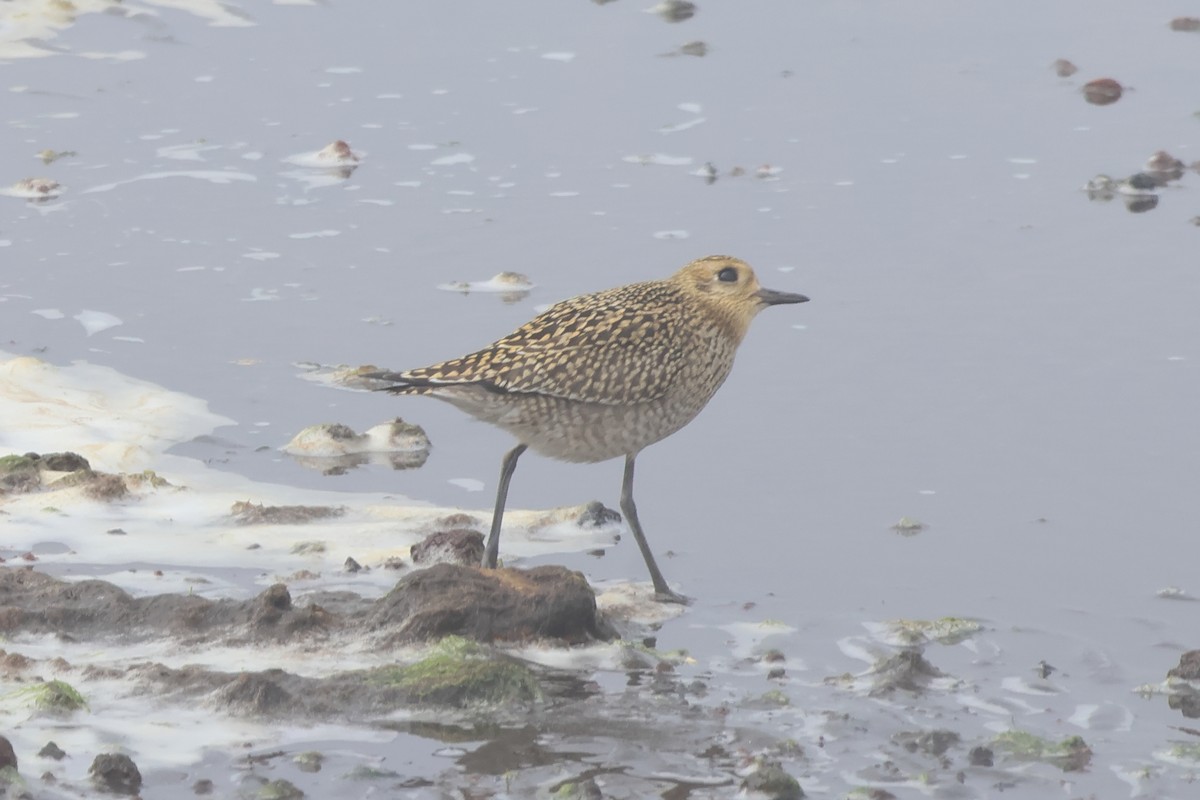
398,382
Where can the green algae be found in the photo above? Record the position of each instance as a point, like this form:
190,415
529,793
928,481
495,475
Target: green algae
459,672
1070,754
55,696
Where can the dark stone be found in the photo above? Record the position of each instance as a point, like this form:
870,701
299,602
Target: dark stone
7,757
1144,181
505,604
351,565
597,515
255,693
116,773
981,757
934,743
456,546
38,603
20,474
64,462
1186,704
1077,755
1189,667
275,600
52,750
202,787
105,486
907,670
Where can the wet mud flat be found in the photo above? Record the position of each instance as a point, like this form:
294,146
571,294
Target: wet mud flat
520,682
548,694
171,630
431,680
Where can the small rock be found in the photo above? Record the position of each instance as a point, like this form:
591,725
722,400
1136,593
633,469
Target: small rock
254,693
1188,668
934,743
675,10
1102,91
495,604
586,789
338,152
1140,182
115,773
105,486
351,565
64,462
907,671
980,757
596,515
202,787
457,520
309,761
458,546
1064,68
20,474
1165,166
7,757
279,790
275,598
52,750
771,780
37,188
1188,24
907,526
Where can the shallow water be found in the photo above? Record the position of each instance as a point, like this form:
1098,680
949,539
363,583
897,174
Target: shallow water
986,350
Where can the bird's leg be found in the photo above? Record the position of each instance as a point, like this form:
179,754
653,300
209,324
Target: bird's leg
662,592
506,470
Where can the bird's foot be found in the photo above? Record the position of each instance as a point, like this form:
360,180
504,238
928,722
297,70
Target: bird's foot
665,595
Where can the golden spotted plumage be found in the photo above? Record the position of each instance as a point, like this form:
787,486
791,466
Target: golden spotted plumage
605,374
613,347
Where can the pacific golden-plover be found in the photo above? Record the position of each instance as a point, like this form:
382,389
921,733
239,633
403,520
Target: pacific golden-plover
605,375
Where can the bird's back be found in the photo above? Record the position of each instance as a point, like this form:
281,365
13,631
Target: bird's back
622,346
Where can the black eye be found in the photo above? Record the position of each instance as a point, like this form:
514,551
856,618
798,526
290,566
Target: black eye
728,275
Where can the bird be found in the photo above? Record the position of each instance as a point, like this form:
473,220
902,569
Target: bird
604,375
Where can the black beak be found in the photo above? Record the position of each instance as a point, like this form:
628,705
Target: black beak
770,297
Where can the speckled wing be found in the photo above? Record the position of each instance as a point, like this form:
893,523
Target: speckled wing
616,347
